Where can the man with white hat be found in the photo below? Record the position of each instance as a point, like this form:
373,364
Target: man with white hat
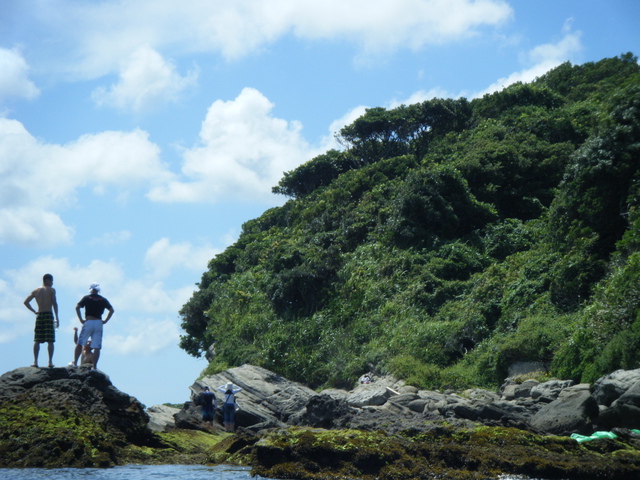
94,306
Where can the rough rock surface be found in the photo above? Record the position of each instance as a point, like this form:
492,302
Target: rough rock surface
266,399
574,411
609,388
161,417
81,389
555,407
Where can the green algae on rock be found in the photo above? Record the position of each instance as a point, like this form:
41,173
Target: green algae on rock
445,454
36,437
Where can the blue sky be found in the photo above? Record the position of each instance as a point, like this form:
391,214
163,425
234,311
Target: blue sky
137,137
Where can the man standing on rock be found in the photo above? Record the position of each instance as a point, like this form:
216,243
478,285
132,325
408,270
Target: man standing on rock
208,400
47,305
94,306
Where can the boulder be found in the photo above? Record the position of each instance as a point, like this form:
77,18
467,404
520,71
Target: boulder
623,412
573,412
266,400
549,391
161,417
609,388
519,390
80,389
404,399
369,395
324,411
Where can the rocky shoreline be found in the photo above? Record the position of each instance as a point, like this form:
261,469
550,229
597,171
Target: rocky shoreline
554,407
63,417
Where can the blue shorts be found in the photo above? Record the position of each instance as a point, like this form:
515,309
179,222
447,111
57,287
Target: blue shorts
93,329
228,412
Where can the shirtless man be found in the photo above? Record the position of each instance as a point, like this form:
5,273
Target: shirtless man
45,297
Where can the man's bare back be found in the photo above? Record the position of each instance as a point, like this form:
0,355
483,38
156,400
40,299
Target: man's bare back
45,297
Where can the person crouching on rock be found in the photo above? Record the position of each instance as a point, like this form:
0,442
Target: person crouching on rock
229,405
208,402
88,355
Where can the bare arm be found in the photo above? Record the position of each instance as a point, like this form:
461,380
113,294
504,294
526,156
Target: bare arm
78,308
27,302
109,315
54,304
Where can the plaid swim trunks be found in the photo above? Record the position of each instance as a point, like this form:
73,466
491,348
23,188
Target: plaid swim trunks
44,331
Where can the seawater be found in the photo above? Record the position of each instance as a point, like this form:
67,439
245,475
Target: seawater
152,472
131,472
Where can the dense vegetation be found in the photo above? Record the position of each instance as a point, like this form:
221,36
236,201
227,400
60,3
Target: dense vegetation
447,240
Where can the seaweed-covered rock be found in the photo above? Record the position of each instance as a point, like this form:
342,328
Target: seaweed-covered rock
58,417
470,454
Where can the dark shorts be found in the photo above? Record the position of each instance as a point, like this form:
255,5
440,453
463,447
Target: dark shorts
207,413
45,330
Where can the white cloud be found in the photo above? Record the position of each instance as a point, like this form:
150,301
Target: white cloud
422,96
112,238
244,151
132,300
38,179
14,80
388,25
96,36
541,59
143,337
146,80
163,257
33,227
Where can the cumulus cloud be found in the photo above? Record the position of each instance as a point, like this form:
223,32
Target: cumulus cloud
163,257
144,337
541,59
146,79
133,299
98,35
37,179
243,153
14,81
383,26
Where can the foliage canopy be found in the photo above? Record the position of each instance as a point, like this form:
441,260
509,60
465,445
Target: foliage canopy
446,241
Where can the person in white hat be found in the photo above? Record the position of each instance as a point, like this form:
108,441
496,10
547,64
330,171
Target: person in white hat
94,306
229,405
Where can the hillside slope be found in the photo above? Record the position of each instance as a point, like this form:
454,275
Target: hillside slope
446,241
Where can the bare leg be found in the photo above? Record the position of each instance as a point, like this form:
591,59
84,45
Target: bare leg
36,351
50,350
76,355
96,356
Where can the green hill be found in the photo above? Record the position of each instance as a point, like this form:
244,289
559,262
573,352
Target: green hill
447,240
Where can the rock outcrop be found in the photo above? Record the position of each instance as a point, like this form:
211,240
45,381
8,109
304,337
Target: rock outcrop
66,417
553,407
81,390
267,399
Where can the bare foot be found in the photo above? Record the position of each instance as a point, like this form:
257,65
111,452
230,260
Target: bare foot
35,365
